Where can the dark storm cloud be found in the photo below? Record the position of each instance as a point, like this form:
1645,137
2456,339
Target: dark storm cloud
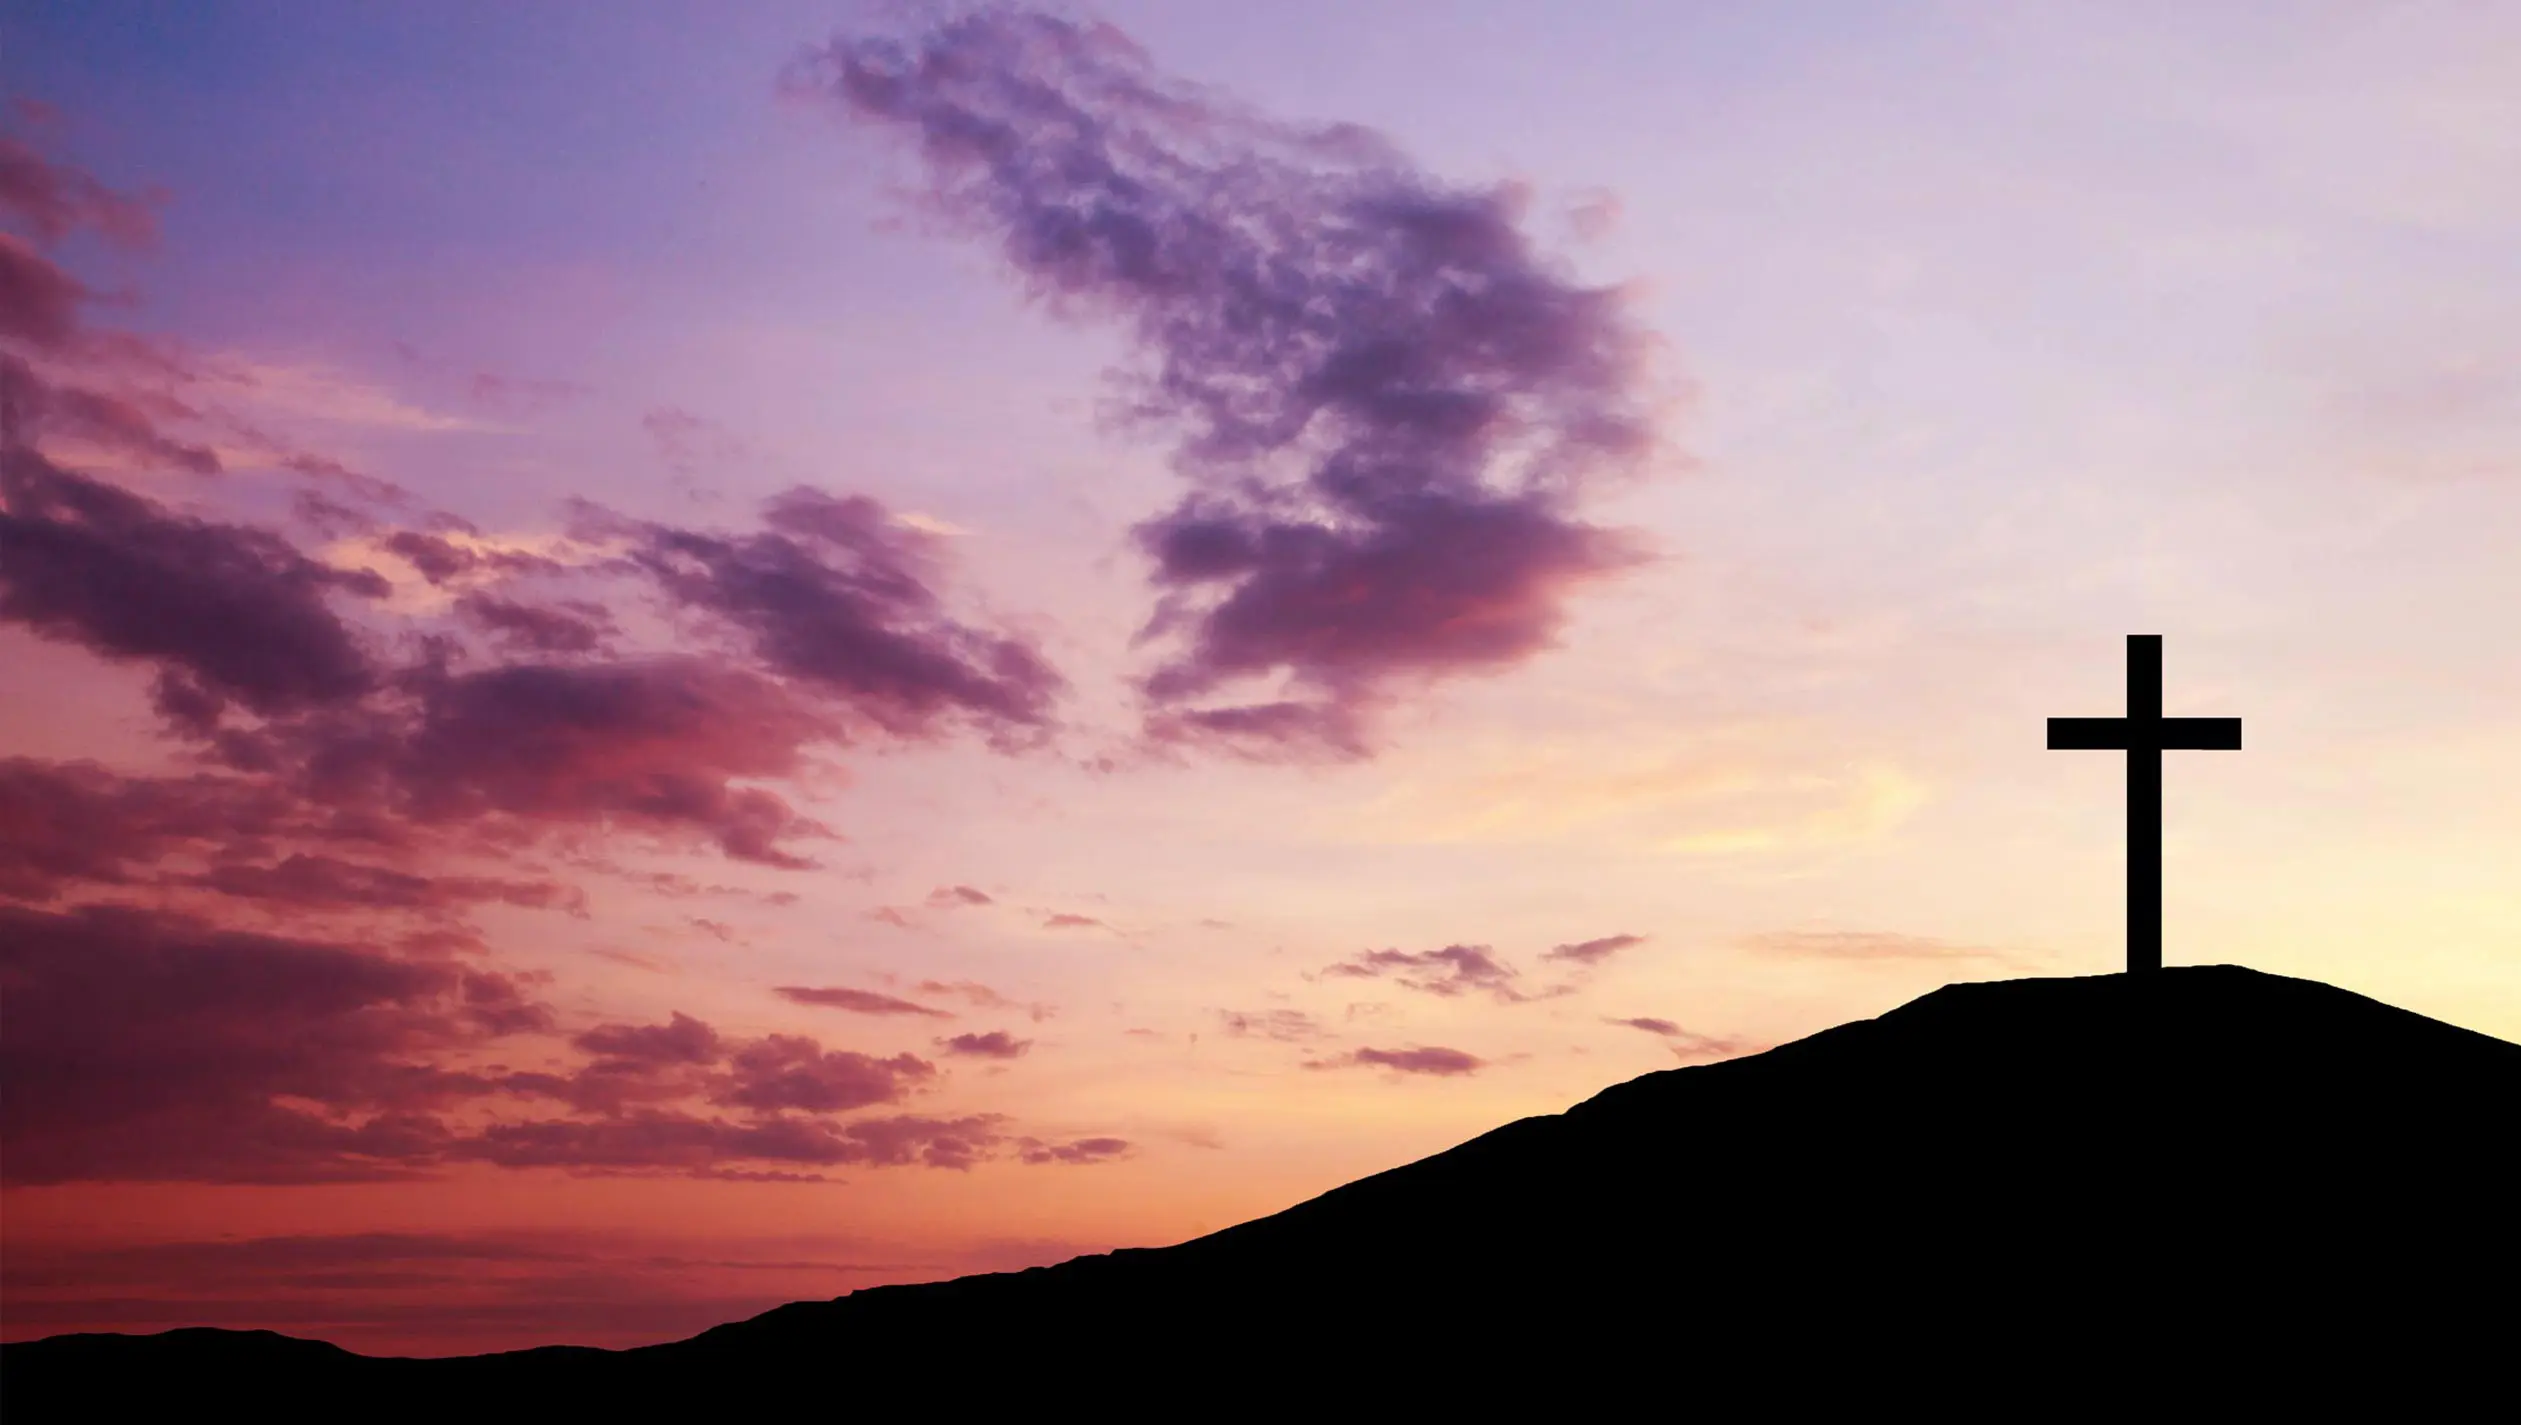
1388,402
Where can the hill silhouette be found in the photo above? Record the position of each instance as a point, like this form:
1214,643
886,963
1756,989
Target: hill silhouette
2206,1180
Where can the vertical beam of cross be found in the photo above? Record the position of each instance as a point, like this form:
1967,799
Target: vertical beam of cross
2144,734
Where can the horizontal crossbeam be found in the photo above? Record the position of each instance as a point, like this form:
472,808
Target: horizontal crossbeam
2175,734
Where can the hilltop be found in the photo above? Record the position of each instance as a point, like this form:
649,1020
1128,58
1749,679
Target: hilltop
2206,1173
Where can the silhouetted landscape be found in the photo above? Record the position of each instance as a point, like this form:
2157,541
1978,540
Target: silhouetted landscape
2199,1172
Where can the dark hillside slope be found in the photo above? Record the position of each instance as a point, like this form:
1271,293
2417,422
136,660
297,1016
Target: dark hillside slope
2205,1172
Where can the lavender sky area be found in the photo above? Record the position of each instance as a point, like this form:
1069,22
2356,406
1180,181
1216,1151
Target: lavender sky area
657,658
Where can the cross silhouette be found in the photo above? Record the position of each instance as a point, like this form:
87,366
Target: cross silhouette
2144,734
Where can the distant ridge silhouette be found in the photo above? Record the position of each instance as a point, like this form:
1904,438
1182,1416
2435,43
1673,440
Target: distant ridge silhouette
2202,1182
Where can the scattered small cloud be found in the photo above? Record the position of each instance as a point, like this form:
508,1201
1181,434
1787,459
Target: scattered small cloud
855,1001
996,1044
1449,972
1594,215
1065,921
1083,1150
948,897
685,441
1434,1060
1288,1026
1683,1043
1593,952
980,996
1651,1026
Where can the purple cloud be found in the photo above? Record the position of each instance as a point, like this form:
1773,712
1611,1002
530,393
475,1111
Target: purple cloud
1651,1026
1435,1060
839,596
1684,1044
1451,971
31,405
1388,403
652,1140
142,1046
226,612
1083,1150
651,744
1593,952
996,1044
576,626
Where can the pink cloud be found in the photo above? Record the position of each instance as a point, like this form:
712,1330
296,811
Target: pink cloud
856,1001
1083,1150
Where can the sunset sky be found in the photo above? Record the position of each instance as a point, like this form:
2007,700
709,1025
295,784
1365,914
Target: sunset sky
658,658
